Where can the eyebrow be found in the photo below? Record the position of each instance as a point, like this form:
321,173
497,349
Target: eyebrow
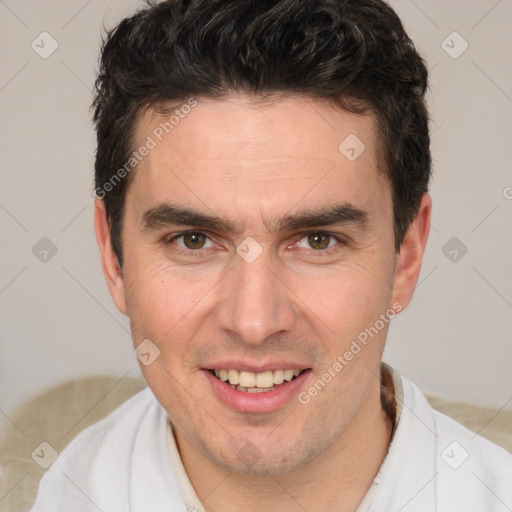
166,215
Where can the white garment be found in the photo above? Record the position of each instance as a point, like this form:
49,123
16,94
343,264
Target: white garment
193,503
122,464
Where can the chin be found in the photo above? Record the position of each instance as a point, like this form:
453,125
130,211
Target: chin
250,461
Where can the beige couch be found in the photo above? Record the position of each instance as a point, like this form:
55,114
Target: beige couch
57,416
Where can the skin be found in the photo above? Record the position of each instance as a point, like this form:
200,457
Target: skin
252,163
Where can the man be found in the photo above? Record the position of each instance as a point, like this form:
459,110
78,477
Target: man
262,212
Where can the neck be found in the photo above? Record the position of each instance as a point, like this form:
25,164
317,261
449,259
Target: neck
338,479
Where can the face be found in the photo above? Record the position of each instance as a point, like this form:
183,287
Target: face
255,249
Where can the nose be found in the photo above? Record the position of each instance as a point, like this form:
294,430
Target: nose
255,303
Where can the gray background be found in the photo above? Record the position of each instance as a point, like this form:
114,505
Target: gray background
57,319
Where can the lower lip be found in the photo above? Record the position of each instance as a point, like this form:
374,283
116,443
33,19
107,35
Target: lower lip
267,401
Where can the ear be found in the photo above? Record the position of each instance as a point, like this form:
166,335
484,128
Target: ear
109,261
408,264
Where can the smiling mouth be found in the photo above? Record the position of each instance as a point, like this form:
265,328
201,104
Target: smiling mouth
249,382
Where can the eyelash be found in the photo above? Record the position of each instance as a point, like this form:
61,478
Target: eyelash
197,252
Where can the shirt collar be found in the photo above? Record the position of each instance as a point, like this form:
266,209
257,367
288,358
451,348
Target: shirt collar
391,385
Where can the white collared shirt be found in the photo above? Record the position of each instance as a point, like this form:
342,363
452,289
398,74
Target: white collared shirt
194,504
123,463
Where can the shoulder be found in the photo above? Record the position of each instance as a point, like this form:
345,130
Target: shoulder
107,436
469,469
482,461
100,466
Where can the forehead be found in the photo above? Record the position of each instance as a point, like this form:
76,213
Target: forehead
288,150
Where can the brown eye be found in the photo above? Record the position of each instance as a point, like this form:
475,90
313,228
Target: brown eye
319,241
193,240
189,244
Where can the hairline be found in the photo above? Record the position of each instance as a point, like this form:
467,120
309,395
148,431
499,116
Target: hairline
162,107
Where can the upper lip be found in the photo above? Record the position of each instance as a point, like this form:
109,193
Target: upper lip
244,366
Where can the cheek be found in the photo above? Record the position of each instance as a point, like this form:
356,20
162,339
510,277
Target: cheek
344,301
162,297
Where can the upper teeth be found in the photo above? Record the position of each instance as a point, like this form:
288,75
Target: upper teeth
258,380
